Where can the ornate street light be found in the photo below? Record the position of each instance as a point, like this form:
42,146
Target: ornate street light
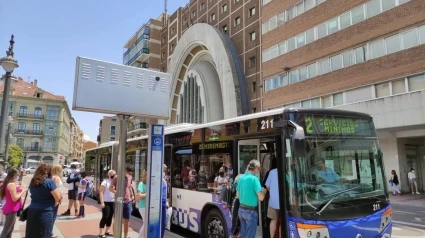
9,64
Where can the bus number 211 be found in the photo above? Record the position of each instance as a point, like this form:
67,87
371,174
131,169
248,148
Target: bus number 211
266,124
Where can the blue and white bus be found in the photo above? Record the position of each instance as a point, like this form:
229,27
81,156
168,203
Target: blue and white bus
306,144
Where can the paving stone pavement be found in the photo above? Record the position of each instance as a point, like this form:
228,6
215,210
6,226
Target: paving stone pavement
69,227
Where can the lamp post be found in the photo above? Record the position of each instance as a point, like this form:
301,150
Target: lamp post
9,64
9,124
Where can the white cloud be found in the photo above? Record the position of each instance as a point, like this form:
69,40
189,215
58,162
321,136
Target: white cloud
87,138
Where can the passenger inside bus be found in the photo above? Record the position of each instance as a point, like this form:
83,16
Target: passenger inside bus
322,174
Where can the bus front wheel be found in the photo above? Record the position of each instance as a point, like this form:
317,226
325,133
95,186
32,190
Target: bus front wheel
214,225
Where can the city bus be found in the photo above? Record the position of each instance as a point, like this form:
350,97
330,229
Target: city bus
306,145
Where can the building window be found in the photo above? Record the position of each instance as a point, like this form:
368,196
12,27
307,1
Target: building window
224,29
212,17
398,86
254,87
265,2
324,66
20,142
112,139
38,112
252,62
172,30
252,11
393,44
112,130
338,99
347,58
172,46
190,106
382,90
345,20
290,13
21,127
417,82
36,127
252,36
321,31
163,55
23,111
202,6
163,39
224,8
333,26
193,14
336,62
377,49
312,70
237,21
373,8
357,15
254,110
409,39
113,120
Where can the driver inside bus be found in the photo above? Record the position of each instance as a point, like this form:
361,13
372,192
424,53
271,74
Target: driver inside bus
323,174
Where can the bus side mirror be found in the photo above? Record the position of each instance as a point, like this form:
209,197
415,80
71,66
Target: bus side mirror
298,137
298,141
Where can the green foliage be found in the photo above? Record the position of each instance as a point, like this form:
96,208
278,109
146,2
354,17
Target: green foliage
16,155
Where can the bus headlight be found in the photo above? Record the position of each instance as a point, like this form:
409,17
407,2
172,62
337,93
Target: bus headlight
386,218
312,231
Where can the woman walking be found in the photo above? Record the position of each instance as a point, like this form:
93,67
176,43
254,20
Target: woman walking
106,199
394,182
12,194
141,195
45,196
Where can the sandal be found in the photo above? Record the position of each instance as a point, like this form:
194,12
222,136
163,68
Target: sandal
102,236
108,234
55,236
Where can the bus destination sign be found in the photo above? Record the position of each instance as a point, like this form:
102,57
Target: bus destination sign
337,126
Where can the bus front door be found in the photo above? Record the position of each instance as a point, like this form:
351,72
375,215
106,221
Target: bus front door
247,151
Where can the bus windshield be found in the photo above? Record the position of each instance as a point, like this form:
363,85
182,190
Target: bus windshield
336,173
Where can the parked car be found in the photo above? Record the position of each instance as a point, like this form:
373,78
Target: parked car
30,170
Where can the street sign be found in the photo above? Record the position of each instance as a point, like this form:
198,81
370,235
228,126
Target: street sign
154,180
119,89
127,91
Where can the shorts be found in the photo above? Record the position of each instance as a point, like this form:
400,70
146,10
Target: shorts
72,195
412,180
81,196
273,214
127,208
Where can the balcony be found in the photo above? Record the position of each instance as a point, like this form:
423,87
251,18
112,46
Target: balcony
142,37
28,132
32,149
138,126
30,116
137,56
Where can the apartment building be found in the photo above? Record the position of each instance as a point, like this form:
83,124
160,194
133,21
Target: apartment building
228,58
41,122
76,142
359,55
109,128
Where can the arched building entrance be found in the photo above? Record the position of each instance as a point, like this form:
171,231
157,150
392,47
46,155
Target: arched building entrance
207,78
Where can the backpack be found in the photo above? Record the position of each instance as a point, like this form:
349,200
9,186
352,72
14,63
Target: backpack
89,188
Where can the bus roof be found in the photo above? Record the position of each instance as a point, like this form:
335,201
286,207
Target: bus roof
187,126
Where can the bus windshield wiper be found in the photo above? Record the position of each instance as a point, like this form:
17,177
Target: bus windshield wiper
337,194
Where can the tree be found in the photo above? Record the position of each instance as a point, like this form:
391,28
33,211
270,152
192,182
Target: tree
16,155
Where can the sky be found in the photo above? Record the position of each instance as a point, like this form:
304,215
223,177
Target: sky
50,34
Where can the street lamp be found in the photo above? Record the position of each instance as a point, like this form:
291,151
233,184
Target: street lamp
9,125
9,64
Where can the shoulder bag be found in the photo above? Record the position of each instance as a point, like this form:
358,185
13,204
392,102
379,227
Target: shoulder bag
23,213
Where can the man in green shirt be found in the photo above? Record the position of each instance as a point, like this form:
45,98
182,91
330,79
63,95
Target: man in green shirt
249,191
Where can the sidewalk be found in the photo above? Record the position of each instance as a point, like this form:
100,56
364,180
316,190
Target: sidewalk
88,227
414,200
